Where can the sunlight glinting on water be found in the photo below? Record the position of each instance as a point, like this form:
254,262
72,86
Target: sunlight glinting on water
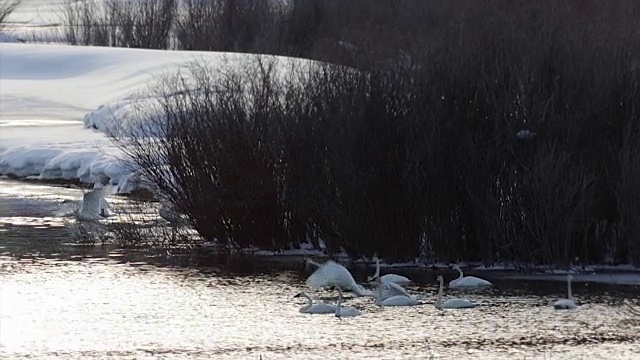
63,300
73,307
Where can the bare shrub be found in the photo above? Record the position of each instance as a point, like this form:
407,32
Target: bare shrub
136,223
377,160
214,153
230,25
6,8
358,160
139,24
628,197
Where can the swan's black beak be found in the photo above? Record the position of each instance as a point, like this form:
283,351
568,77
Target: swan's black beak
297,295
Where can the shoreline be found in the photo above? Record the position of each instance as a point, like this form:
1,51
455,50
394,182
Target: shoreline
622,274
427,273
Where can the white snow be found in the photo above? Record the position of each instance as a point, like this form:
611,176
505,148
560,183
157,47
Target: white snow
50,93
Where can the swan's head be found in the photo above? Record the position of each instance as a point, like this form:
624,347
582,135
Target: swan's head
310,264
569,277
440,279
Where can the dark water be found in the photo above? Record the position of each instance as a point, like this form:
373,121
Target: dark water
62,300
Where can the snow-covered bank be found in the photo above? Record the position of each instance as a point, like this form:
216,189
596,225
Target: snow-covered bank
53,97
57,151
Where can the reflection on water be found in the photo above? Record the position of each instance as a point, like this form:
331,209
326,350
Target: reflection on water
59,300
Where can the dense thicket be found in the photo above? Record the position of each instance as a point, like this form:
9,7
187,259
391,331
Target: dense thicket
508,131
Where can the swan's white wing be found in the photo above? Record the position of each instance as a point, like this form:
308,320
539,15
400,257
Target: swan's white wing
399,290
564,304
359,290
469,281
91,204
387,293
395,278
331,274
321,308
349,311
400,300
457,304
105,208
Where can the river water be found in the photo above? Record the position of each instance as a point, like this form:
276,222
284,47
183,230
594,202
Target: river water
67,301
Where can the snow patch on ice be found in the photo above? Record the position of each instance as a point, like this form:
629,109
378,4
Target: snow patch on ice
50,162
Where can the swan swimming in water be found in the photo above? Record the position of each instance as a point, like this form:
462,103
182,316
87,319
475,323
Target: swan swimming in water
467,281
344,311
395,300
390,278
451,303
316,308
390,289
333,274
568,303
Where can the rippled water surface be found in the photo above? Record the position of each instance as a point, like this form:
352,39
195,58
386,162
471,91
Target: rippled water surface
60,300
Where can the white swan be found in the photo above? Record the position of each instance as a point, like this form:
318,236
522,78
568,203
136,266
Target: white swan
315,308
392,278
467,281
390,289
93,205
395,300
451,303
568,303
344,311
311,262
333,274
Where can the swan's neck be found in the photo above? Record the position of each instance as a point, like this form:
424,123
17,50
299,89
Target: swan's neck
309,299
460,274
439,299
379,297
377,274
569,296
313,263
339,302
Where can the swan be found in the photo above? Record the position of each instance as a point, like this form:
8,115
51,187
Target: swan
390,289
568,303
311,262
467,281
344,311
395,300
333,274
317,308
451,303
390,278
93,205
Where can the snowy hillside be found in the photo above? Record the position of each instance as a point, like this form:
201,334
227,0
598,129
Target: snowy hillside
46,91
